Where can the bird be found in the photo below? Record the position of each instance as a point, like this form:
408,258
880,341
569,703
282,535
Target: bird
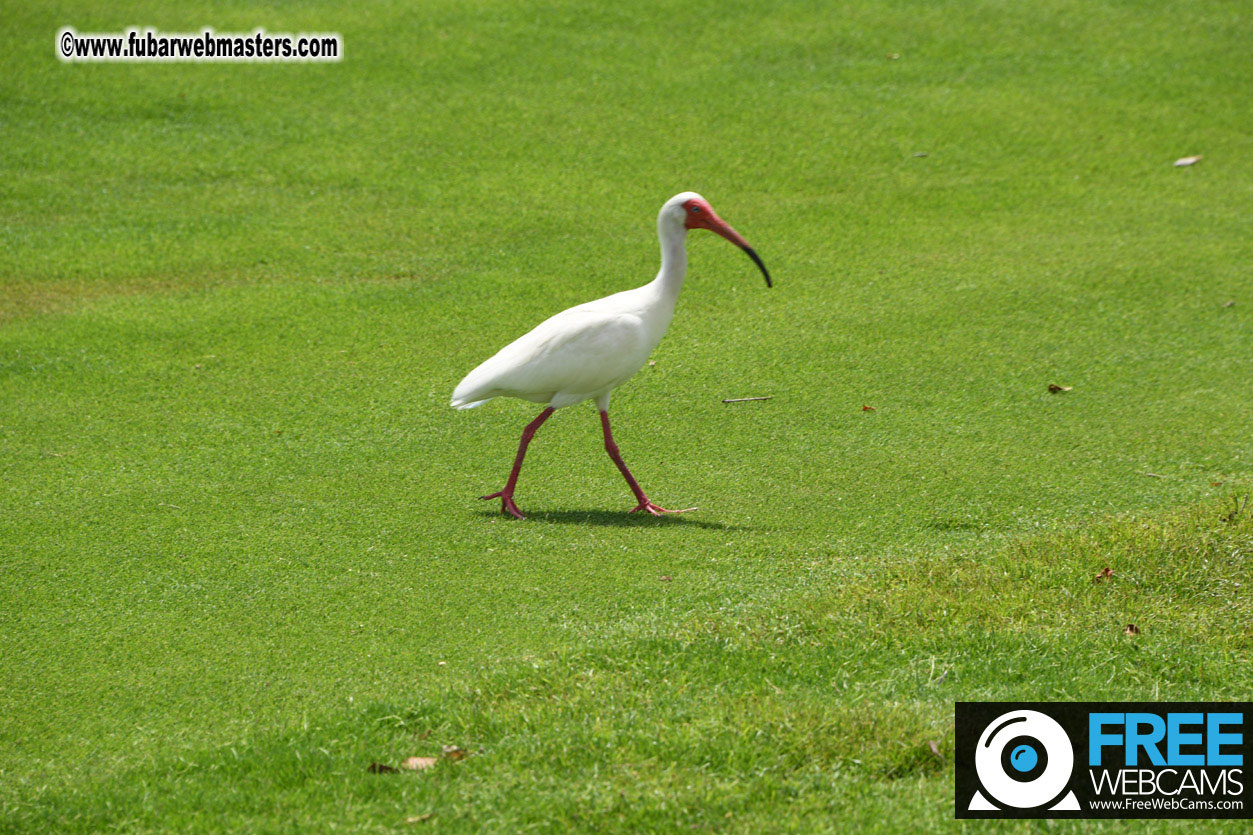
587,351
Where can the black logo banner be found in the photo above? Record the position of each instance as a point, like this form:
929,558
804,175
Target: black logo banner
1103,759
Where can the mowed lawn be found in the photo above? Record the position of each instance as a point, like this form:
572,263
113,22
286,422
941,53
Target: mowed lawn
241,554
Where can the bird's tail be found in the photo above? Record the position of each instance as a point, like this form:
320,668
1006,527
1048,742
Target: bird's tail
474,390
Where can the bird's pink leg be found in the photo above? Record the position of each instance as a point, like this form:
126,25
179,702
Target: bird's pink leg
612,449
506,495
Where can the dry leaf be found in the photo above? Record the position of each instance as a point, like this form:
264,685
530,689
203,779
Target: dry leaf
935,749
418,763
1231,303
1216,484
892,56
865,408
665,578
1104,574
420,818
1131,629
1186,161
454,752
652,362
381,768
1055,388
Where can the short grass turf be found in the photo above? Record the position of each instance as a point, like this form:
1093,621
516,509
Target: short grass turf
242,554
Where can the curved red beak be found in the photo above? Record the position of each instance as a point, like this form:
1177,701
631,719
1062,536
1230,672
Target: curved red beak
704,217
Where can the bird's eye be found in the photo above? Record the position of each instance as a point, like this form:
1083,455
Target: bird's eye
696,210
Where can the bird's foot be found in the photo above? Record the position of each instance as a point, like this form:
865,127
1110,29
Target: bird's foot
506,504
657,510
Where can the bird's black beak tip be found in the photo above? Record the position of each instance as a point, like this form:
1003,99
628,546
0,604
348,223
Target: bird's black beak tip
752,253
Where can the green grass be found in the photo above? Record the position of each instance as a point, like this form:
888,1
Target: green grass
241,552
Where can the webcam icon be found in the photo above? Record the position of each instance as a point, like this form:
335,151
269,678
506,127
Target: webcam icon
1024,760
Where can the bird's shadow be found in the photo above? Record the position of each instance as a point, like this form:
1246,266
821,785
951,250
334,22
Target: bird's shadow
616,519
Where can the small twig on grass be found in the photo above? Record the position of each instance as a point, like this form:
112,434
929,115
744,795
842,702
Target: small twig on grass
744,399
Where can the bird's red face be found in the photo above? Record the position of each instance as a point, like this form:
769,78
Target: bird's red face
700,215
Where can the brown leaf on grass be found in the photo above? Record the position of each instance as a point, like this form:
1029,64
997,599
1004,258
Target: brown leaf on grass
1104,574
1183,162
665,578
454,752
381,768
865,408
420,818
935,749
1231,303
1055,388
1131,629
1216,483
418,763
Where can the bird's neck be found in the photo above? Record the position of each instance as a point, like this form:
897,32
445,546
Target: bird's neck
669,279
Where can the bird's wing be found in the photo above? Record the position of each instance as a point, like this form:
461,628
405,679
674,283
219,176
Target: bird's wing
578,351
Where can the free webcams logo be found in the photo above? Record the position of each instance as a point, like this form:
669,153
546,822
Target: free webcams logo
1102,760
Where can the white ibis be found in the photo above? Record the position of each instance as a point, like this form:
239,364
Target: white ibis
584,353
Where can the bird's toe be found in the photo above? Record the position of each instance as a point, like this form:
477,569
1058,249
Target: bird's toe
657,510
506,504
